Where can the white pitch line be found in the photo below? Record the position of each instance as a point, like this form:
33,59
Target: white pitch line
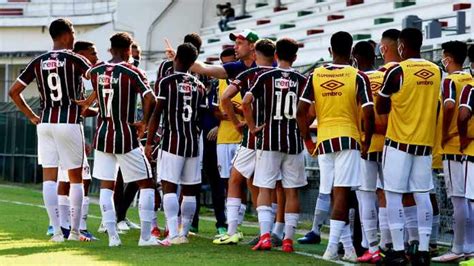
97,217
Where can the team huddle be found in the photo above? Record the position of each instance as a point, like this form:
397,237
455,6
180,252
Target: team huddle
380,133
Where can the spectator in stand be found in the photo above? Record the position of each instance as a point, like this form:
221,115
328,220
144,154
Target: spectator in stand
227,13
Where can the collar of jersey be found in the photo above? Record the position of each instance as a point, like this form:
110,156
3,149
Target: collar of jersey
416,59
337,65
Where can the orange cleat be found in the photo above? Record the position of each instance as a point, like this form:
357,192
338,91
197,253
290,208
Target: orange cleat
265,243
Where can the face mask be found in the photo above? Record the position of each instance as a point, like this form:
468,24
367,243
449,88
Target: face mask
400,50
445,65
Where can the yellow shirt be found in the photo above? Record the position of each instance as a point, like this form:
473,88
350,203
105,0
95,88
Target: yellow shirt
451,90
227,134
337,91
437,161
413,87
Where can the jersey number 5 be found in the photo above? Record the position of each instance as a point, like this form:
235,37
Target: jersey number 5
54,84
187,109
289,103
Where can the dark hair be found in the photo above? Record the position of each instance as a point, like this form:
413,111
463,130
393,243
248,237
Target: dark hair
470,53
230,51
59,27
286,49
412,38
82,46
456,49
266,47
341,43
364,50
186,54
194,39
121,40
391,34
136,46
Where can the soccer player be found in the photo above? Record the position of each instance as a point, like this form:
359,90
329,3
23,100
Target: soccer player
58,74
371,168
465,130
180,97
281,145
116,87
136,54
453,56
244,163
411,106
337,90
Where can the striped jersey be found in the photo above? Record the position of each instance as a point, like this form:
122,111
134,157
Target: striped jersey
165,69
338,91
58,74
451,89
244,82
183,96
117,87
279,90
466,100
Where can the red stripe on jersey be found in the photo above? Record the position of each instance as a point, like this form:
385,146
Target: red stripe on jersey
335,144
54,114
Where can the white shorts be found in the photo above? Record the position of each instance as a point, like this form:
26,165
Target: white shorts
339,169
178,170
454,178
404,172
60,145
370,175
271,164
133,164
225,156
469,177
86,172
244,161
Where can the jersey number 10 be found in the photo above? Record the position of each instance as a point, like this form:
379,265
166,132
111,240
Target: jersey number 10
289,105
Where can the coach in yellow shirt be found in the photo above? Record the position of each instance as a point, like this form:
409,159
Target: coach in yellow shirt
409,95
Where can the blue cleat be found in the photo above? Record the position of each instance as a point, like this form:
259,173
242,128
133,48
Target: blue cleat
87,236
310,238
65,232
50,231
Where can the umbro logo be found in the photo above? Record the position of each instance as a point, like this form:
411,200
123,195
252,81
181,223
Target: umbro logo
332,85
375,86
424,74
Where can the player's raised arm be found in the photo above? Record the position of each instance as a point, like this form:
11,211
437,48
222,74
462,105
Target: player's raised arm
15,93
215,71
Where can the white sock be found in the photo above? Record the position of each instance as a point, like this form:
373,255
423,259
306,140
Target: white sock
107,209
233,207
425,219
188,208
64,212
396,219
291,221
242,210
154,221
469,239
84,213
50,198
274,209
146,211
171,207
460,212
265,219
278,228
76,195
368,216
435,230
335,231
411,223
385,236
346,239
321,212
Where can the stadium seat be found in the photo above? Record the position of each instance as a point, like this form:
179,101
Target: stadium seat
461,6
397,4
287,26
280,8
378,21
335,17
11,11
263,21
354,2
314,31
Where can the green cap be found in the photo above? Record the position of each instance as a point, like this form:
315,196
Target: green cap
246,34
